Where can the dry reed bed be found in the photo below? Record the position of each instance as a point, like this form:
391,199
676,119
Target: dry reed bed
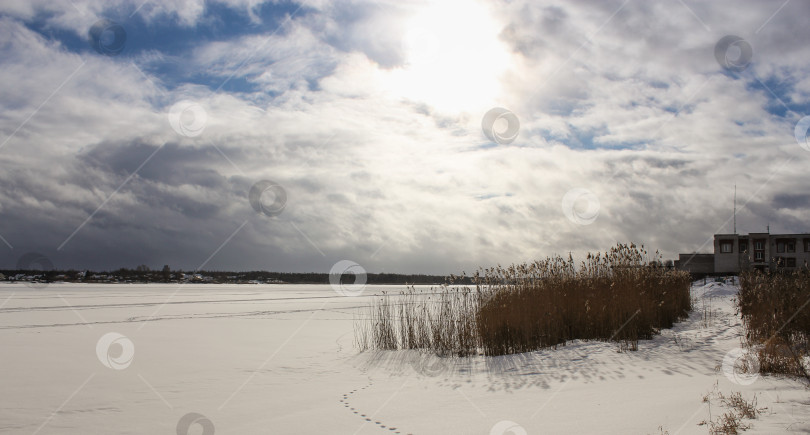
615,296
776,315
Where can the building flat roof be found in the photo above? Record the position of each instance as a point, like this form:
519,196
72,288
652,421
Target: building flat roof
763,234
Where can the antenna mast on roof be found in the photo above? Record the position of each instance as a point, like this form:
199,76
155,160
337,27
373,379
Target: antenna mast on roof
735,208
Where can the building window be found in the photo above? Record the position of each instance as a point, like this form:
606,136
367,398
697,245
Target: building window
759,252
744,245
782,262
726,246
806,245
785,245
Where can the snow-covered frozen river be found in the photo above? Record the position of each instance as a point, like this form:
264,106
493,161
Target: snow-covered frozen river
250,359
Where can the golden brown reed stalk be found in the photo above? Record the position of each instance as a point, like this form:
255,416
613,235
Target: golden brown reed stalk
776,315
615,296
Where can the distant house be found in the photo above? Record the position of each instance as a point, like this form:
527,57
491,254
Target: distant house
198,277
2,277
736,252
696,264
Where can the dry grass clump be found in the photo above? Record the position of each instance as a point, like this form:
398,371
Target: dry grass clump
774,309
615,296
738,409
440,320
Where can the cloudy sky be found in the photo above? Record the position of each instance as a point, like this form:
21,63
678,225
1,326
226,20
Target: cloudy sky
134,131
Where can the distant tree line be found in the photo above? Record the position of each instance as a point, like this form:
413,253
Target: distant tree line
143,274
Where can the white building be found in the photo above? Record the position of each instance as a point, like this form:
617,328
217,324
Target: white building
736,252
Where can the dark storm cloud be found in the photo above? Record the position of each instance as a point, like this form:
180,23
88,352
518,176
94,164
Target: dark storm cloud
792,201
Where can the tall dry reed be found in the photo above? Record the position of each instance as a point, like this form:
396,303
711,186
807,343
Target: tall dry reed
775,310
616,296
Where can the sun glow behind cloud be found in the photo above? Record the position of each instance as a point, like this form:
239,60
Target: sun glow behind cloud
370,116
453,58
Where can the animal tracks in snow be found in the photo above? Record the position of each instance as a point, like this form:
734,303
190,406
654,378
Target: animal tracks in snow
346,401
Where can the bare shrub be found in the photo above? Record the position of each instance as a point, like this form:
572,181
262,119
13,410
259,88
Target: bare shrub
744,408
728,424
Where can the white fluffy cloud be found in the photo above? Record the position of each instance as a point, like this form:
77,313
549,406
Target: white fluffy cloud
381,152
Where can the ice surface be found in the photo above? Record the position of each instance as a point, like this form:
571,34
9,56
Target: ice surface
280,359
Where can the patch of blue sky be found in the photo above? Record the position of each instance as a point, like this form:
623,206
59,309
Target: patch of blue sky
778,92
592,139
164,34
